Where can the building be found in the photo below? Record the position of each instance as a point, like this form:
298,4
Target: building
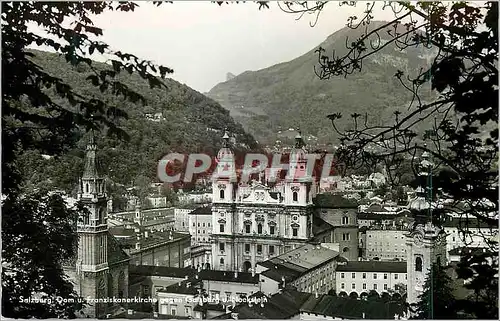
100,268
309,268
160,248
476,236
200,226
255,221
179,299
357,279
157,201
292,304
341,215
181,218
385,243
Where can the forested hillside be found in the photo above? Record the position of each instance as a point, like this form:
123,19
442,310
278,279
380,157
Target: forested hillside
187,121
290,94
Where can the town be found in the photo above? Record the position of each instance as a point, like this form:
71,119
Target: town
299,249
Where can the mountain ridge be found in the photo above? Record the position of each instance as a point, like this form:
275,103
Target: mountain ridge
289,94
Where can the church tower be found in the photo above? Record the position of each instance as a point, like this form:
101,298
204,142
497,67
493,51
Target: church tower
92,229
426,242
224,187
298,193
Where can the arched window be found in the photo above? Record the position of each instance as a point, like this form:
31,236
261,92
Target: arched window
345,220
221,260
259,228
221,194
418,264
295,196
86,188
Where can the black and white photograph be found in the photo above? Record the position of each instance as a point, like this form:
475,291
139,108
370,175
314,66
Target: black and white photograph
306,160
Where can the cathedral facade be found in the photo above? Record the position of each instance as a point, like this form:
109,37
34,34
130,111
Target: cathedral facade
252,222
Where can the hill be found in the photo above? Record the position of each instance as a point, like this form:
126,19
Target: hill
178,119
289,94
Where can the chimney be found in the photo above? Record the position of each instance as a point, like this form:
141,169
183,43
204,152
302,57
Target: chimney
146,234
138,246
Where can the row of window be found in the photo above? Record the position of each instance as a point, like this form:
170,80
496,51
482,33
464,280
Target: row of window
194,224
295,196
222,248
248,229
353,286
353,276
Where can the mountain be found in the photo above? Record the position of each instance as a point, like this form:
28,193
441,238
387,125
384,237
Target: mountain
178,119
288,95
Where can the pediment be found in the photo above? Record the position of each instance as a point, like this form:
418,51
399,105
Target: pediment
222,221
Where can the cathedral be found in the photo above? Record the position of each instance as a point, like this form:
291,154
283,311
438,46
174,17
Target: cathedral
100,268
254,222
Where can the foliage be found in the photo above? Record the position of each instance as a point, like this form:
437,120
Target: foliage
33,255
436,300
48,101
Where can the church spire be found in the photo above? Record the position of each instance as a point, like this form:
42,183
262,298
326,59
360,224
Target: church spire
299,142
92,166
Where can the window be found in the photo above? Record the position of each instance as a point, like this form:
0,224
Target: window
173,310
342,286
385,276
353,286
203,224
221,228
271,249
364,275
187,311
228,295
208,224
395,276
259,228
364,286
295,196
221,194
271,230
295,231
374,276
345,236
345,220
418,264
341,275
222,247
247,228
221,261
247,248
385,286
375,287
353,275
198,224
259,248
194,224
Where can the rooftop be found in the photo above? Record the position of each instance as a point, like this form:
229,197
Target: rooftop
205,210
190,273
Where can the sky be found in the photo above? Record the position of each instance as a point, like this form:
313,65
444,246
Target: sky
202,41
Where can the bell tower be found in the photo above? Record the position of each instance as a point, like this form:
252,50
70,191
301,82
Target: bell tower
224,187
92,229
425,241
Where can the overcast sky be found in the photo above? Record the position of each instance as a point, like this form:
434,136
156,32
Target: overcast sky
202,41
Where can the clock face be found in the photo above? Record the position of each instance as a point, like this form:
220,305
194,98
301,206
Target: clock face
418,239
